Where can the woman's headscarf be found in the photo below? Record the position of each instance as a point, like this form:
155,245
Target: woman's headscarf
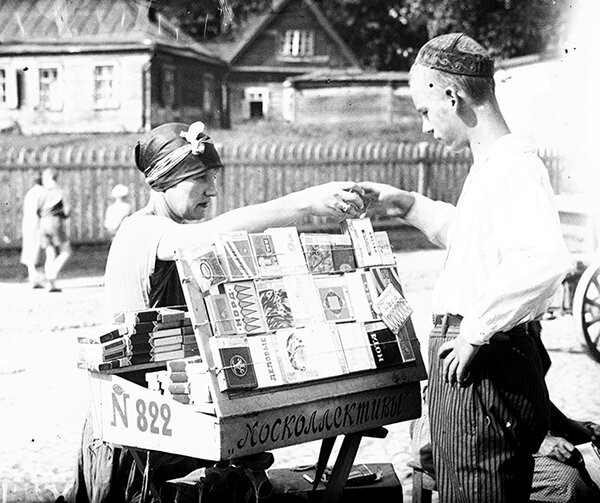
173,152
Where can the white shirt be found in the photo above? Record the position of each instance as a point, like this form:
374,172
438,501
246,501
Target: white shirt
506,253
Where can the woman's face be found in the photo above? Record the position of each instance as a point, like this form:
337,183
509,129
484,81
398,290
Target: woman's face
189,199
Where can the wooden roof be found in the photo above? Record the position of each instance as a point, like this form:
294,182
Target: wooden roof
46,26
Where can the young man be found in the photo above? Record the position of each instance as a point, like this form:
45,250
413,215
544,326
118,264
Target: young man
488,402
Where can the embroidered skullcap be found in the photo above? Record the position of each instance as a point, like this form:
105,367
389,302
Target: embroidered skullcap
442,53
174,152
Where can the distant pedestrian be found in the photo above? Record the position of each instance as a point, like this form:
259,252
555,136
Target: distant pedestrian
31,250
54,228
118,209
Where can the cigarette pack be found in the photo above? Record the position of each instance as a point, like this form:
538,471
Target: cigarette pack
384,276
342,253
288,249
232,356
310,352
181,365
266,363
317,252
245,306
366,249
356,346
173,355
362,294
384,345
266,258
207,270
334,297
385,248
275,303
168,315
304,299
393,308
177,376
220,314
103,335
235,255
101,366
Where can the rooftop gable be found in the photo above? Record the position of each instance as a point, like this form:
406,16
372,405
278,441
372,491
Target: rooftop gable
231,46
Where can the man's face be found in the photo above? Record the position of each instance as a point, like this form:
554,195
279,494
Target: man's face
189,199
438,109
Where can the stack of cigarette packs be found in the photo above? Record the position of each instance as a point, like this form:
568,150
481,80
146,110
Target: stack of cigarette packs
138,337
186,381
286,308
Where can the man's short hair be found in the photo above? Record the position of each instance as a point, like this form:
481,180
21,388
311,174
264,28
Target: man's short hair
457,60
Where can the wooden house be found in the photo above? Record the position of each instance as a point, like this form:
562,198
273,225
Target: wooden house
291,38
102,66
350,96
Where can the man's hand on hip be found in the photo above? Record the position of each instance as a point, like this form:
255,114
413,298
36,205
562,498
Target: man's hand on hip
457,355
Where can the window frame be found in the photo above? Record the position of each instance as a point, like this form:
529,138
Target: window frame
113,101
58,104
298,44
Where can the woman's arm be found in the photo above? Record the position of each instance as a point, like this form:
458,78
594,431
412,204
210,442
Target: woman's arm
338,200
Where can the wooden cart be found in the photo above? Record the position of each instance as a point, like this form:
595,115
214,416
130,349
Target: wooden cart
247,422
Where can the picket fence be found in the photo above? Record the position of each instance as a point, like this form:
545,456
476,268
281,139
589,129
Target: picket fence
253,173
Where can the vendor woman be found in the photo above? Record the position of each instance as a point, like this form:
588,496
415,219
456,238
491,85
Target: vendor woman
181,166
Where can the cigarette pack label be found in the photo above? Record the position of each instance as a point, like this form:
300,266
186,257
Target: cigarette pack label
220,314
384,276
385,248
311,352
342,253
335,300
384,345
288,249
366,249
275,304
304,299
235,362
356,346
266,257
245,306
236,255
393,308
266,363
317,252
207,270
362,295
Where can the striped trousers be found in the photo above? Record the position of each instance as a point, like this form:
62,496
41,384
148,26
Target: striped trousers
484,434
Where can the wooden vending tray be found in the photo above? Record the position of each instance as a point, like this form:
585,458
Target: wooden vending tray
252,421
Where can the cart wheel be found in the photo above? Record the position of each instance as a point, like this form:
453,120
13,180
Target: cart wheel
586,309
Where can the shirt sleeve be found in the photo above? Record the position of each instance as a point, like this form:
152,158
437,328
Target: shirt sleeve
433,218
533,257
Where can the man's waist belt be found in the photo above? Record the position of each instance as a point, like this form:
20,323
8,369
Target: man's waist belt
452,320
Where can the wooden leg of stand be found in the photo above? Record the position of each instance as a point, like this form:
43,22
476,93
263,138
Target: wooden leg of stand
341,469
326,448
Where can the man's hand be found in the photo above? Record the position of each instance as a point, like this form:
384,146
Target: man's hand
457,355
338,200
594,430
557,448
388,196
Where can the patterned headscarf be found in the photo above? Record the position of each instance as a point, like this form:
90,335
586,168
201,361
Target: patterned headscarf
173,152
450,59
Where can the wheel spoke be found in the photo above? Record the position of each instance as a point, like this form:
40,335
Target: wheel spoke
596,283
592,302
595,341
588,324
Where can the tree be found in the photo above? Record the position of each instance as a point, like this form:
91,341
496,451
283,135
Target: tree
505,27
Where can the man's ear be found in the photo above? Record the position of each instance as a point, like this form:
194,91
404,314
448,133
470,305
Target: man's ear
452,96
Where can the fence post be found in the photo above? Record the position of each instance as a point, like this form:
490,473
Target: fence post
422,169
